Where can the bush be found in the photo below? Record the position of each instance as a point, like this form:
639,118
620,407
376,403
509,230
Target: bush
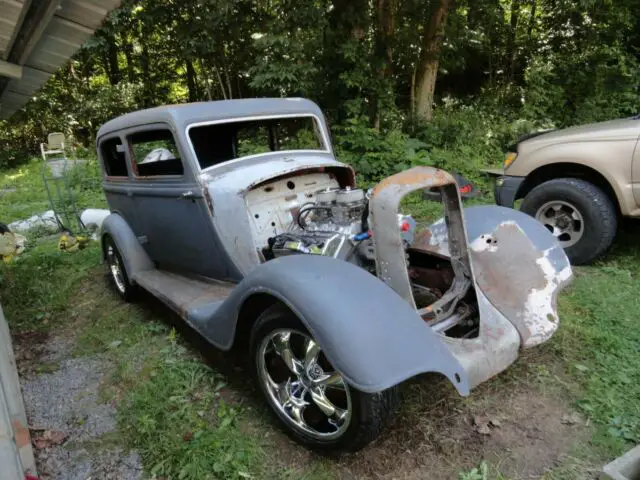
598,84
460,139
376,155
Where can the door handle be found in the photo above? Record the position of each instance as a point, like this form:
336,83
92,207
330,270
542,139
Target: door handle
188,195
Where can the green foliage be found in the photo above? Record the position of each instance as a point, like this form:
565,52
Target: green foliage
35,287
23,193
476,473
600,341
376,155
597,84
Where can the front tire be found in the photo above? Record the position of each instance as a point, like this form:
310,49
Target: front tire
579,214
312,401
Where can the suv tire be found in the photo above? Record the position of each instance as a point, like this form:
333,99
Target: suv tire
366,414
579,214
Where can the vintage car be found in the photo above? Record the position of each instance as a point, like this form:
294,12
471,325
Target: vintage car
248,227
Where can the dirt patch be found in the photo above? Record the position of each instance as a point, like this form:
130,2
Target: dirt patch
518,427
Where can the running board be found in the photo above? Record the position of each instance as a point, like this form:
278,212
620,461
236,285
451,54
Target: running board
188,297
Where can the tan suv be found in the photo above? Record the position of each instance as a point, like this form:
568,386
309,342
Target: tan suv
577,182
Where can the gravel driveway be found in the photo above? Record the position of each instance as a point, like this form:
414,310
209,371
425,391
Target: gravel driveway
74,434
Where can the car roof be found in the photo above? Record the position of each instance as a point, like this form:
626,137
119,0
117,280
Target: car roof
185,114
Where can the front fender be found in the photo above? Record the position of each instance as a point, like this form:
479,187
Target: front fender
517,264
134,257
367,331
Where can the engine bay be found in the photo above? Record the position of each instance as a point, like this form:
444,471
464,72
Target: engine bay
313,214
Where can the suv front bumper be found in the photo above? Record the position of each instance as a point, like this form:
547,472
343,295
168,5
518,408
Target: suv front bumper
506,190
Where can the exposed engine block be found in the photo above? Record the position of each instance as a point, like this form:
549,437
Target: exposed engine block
333,225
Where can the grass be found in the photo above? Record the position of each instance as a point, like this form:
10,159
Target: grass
171,403
22,191
180,426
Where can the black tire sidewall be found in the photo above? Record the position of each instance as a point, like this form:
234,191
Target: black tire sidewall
356,436
129,292
595,207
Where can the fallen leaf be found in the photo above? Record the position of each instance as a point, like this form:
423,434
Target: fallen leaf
481,424
48,438
115,344
187,436
570,419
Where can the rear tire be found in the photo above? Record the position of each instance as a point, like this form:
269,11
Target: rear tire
116,271
359,417
593,223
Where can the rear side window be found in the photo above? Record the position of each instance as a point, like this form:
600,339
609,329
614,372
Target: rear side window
154,153
115,163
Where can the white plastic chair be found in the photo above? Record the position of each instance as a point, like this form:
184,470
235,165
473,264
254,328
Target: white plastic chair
54,145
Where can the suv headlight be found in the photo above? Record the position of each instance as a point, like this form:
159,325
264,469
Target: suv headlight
509,159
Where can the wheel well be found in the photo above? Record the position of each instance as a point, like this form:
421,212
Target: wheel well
247,316
103,239
567,170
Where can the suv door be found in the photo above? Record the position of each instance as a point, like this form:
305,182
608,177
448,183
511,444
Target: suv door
174,222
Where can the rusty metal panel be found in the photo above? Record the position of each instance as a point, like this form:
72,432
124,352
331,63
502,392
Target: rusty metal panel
516,263
391,263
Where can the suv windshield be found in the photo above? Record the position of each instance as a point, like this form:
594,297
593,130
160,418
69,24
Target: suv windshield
222,142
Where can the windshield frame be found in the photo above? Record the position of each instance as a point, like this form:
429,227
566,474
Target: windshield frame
324,137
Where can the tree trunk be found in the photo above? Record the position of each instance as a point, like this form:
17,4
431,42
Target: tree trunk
192,86
112,59
532,18
127,49
221,83
207,80
146,76
386,25
229,89
510,63
386,13
427,67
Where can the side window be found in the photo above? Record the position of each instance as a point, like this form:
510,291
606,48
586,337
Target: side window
154,153
115,163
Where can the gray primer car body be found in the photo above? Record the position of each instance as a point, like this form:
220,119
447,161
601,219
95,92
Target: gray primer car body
369,327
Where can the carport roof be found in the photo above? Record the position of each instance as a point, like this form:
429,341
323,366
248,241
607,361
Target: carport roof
39,36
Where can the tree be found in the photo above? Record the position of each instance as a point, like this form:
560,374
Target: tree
429,60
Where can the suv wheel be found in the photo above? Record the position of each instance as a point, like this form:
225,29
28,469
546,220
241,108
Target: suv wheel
580,215
313,402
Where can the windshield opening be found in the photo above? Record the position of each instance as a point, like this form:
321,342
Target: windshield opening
221,142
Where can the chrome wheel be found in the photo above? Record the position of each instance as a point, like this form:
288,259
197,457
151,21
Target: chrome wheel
302,386
116,269
563,220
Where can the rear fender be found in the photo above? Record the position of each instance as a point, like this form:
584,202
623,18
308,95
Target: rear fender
367,331
134,257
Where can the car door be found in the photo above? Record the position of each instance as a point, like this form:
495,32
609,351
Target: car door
174,222
117,178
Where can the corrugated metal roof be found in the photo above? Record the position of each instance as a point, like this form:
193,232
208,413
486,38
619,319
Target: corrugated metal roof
10,16
72,23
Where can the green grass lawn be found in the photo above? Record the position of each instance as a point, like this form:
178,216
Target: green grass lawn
192,416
